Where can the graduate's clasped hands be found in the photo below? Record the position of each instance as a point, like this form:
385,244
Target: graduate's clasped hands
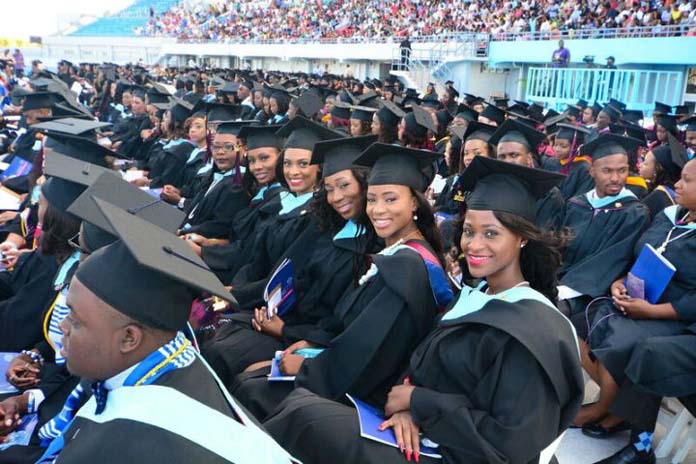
398,410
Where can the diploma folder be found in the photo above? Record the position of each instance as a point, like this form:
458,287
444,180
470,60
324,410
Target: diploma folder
371,418
650,275
279,293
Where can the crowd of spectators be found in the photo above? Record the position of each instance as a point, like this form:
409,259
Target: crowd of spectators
200,20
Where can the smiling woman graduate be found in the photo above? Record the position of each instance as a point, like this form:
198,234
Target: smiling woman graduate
498,379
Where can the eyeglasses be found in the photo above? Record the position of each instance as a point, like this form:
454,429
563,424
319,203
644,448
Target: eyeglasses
74,243
227,147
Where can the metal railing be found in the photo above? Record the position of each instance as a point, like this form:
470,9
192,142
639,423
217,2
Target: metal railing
639,89
678,30
601,33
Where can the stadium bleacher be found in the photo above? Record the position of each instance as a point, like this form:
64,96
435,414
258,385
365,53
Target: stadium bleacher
123,22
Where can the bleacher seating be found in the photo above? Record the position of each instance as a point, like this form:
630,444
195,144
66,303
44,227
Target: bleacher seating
123,22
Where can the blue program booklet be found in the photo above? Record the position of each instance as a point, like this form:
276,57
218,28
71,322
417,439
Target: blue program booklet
5,360
371,418
22,434
18,167
280,293
649,276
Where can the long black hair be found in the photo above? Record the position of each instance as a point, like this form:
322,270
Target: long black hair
328,218
540,258
57,228
249,183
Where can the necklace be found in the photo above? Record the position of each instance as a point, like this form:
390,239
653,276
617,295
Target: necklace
662,248
521,284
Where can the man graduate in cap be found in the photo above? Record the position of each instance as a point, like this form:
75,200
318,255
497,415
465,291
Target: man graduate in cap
605,224
153,398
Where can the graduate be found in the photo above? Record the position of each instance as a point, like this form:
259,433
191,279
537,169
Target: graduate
626,327
130,143
38,276
196,167
211,212
378,324
576,168
323,266
661,169
162,374
385,122
516,143
275,239
261,184
168,156
605,224
473,387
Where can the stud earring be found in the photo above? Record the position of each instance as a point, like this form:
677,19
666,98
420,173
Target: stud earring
415,217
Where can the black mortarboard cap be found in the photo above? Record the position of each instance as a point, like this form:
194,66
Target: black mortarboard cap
506,187
570,131
610,144
82,149
303,133
70,126
596,108
690,123
619,105
573,111
256,136
233,127
474,131
181,110
155,95
38,100
424,119
681,110
68,178
117,191
493,113
340,154
397,165
390,113
582,103
153,266
633,116
341,110
362,113
668,122
501,102
672,156
217,112
611,111
308,104
515,131
662,108
467,113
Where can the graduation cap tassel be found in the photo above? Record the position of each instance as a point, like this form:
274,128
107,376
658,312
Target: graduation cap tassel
208,145
237,171
169,250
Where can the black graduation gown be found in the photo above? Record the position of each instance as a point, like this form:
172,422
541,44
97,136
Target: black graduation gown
226,260
603,239
494,386
191,181
657,200
549,210
275,241
134,442
320,282
211,213
449,201
166,166
31,282
615,337
377,326
578,180
131,142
